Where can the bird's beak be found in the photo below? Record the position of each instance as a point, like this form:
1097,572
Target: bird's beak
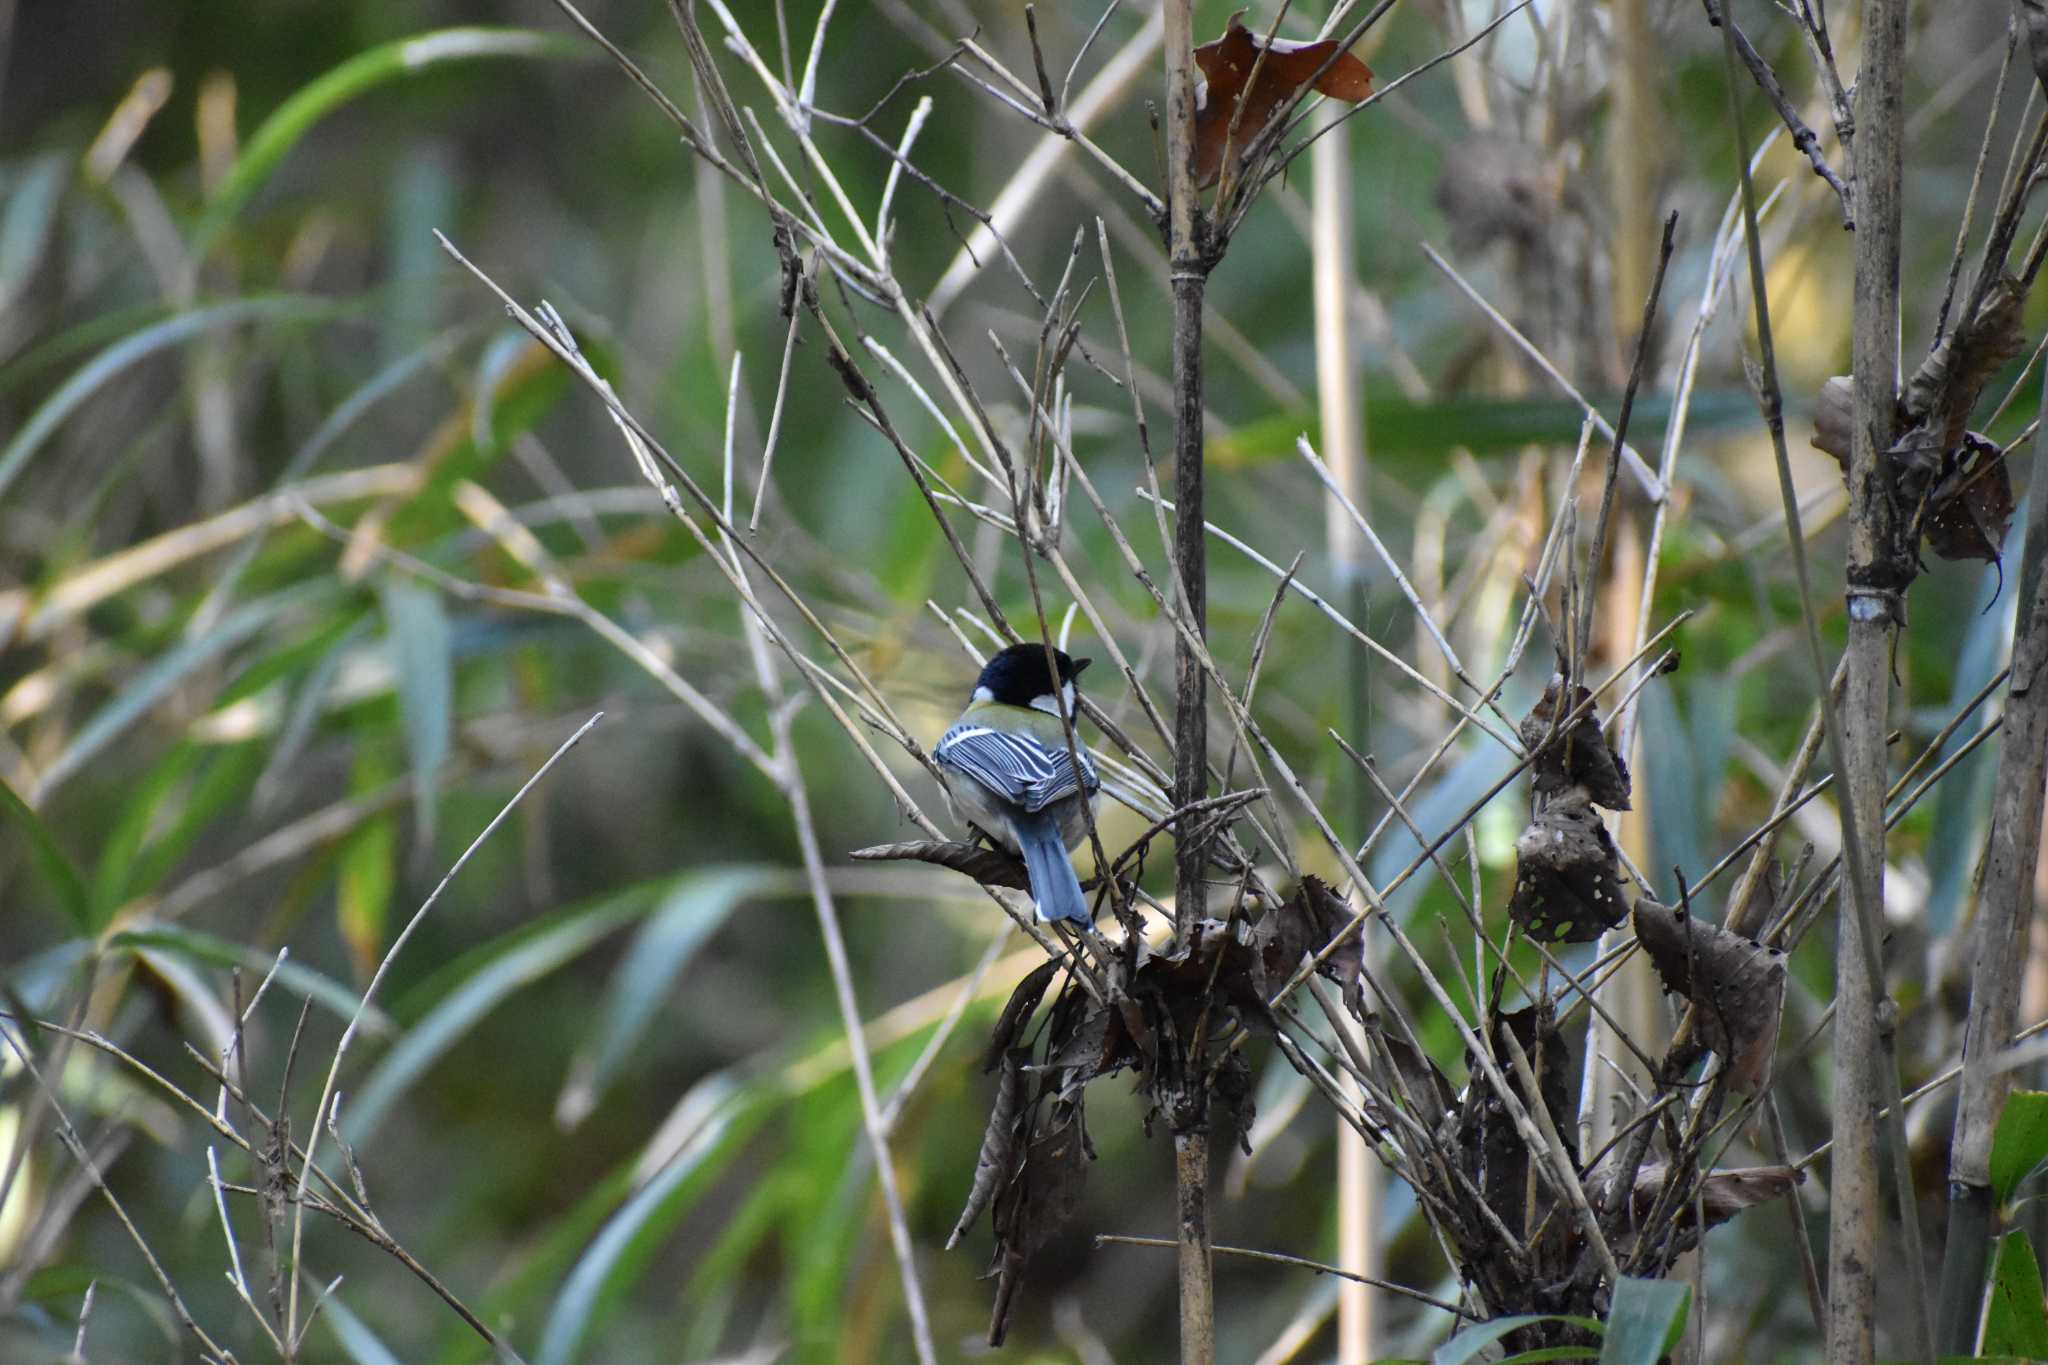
1079,664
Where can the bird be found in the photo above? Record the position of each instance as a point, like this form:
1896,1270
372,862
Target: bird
1009,770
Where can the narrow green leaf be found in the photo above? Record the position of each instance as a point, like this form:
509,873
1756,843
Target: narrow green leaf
51,862
363,72
32,201
1644,1323
122,844
1468,1344
2020,1142
300,980
2016,1322
622,1251
485,983
690,912
73,392
167,670
353,1335
422,665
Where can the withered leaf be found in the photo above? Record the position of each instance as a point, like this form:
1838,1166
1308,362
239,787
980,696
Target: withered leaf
1970,510
989,866
1419,1074
1023,1000
1567,874
1738,986
1722,1195
1575,756
1227,67
1001,1145
1948,383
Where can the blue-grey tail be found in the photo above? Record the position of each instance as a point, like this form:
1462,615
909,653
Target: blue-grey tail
1053,883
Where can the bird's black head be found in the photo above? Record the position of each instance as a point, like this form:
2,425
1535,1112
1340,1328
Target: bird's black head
1017,676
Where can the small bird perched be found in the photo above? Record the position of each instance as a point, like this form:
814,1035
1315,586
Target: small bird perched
1010,773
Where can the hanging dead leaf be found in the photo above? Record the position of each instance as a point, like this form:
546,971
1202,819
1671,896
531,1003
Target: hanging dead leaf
1567,874
1023,1000
1948,383
1001,1145
1970,510
1574,756
1288,69
1737,984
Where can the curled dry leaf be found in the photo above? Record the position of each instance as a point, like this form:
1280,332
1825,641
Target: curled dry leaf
1834,419
1023,1000
1000,1145
1567,874
990,867
1227,84
1949,382
1722,1195
1737,984
1970,510
1577,756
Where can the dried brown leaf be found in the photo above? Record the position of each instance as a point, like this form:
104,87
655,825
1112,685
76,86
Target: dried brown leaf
1023,1000
1567,874
1000,1144
1722,1195
1948,383
1227,65
1737,984
1970,510
990,867
1575,756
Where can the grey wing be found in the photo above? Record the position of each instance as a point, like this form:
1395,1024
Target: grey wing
1016,767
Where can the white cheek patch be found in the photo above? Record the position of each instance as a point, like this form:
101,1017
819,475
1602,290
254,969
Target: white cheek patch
1052,705
983,694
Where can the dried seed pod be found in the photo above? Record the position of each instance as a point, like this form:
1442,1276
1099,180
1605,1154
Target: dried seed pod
1567,874
1577,755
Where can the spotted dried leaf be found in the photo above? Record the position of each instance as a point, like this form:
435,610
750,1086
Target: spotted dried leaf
1023,1000
1970,510
1567,874
1737,985
1288,71
1575,755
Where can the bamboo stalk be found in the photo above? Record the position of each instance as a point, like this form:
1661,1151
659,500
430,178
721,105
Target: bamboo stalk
1875,609
1998,947
1188,265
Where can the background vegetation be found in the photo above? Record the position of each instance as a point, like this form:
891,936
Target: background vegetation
276,652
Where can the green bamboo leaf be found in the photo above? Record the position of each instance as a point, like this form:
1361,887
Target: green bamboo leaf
2016,1322
73,392
32,201
416,634
2020,1142
167,670
295,977
51,862
622,1251
1645,1320
690,912
353,1335
483,981
1468,1344
361,73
